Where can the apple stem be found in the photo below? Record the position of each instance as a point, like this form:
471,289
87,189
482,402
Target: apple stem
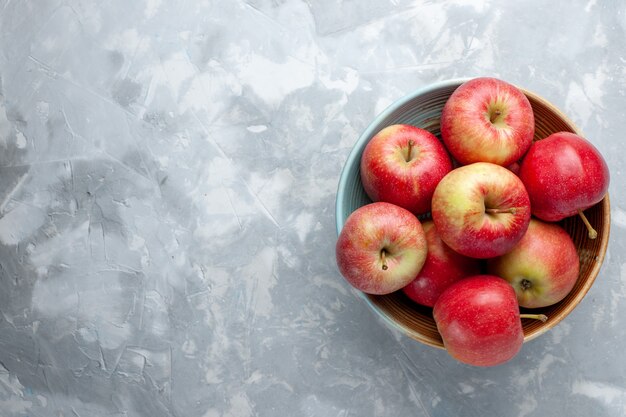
494,116
496,211
526,284
591,231
410,150
382,258
541,317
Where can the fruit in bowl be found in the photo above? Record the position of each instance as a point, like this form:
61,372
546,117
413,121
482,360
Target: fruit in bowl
442,268
481,210
423,109
402,165
381,248
542,267
487,120
564,175
480,322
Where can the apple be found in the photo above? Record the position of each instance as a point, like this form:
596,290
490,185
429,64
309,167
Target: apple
564,174
479,320
542,268
487,120
481,210
442,268
381,248
402,164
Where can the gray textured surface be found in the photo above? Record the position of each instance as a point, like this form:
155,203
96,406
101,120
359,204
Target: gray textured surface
167,181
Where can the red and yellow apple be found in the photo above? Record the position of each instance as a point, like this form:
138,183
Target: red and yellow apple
381,248
542,267
402,165
481,210
487,120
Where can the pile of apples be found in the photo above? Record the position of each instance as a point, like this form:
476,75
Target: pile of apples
488,197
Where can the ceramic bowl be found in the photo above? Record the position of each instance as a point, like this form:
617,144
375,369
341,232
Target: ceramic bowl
422,108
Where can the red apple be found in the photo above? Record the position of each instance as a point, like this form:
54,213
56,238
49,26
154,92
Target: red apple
479,320
402,165
487,120
381,248
564,175
481,210
542,268
442,268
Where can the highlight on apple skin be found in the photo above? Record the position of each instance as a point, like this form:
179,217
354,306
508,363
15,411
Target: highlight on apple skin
381,248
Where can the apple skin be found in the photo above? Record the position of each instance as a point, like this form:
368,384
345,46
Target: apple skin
563,173
372,230
460,204
542,268
479,320
487,120
442,268
386,174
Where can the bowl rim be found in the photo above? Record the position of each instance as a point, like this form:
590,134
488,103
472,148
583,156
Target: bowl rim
372,128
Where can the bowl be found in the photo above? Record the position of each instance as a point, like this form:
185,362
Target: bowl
422,108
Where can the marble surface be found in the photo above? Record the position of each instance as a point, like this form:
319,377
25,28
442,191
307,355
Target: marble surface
168,172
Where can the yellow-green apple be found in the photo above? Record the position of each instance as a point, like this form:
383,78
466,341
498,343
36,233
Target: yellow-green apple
402,164
481,210
442,268
564,174
479,320
381,248
542,267
487,120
